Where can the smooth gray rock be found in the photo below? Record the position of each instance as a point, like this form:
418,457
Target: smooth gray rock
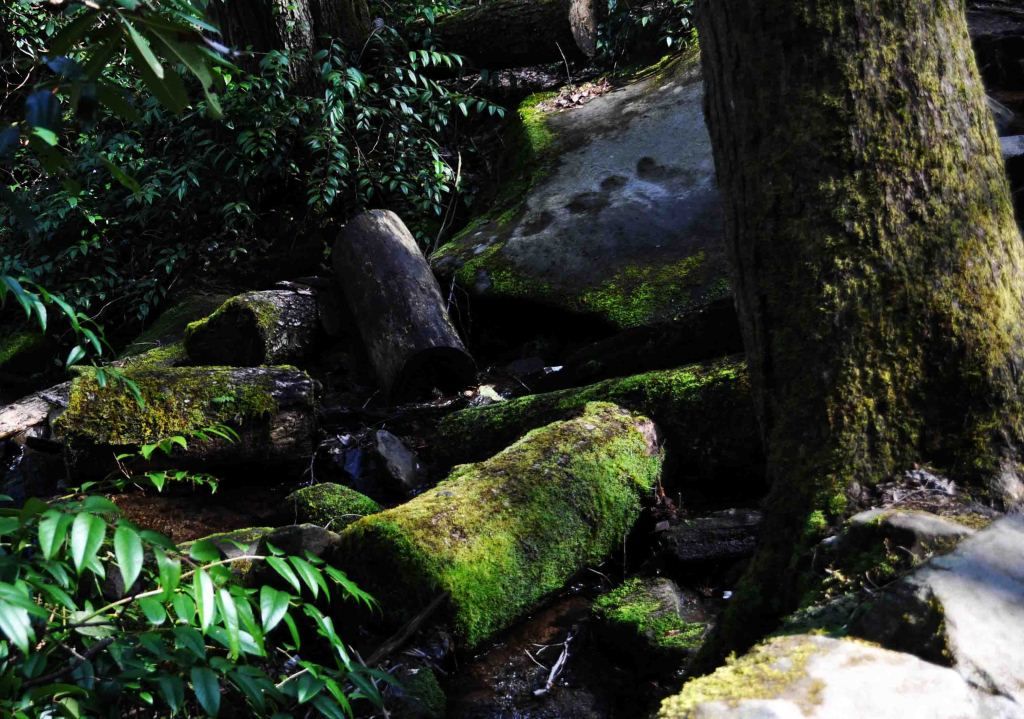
627,227
812,677
968,605
401,463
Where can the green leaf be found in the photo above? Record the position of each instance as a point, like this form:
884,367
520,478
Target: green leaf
100,505
170,572
229,613
74,355
15,624
73,32
173,691
129,553
282,568
204,551
188,638
309,574
139,46
121,176
308,687
87,532
53,530
154,610
273,607
203,593
207,689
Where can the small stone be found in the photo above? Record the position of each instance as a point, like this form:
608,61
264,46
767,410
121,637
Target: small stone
401,463
717,537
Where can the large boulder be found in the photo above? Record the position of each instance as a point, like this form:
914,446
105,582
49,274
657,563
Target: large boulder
622,222
812,677
965,607
500,535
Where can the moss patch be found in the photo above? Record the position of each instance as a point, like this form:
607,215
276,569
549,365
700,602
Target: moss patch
329,505
500,535
636,608
171,355
170,325
18,344
177,401
769,671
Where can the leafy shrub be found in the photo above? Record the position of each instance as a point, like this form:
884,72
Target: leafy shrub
101,618
637,28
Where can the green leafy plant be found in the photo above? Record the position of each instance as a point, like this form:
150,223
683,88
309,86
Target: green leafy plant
632,27
101,618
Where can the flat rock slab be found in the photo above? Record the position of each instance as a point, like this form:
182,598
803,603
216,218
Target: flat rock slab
973,598
805,677
627,226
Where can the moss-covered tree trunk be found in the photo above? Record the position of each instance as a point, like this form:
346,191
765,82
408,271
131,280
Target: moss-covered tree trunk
878,271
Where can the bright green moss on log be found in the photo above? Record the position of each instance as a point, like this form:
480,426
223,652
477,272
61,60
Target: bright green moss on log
704,411
329,505
500,535
879,269
169,327
17,345
177,401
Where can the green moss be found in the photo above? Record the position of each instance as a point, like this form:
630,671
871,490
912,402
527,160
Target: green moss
170,325
329,505
500,535
177,400
19,344
421,695
252,304
704,411
768,672
635,607
171,355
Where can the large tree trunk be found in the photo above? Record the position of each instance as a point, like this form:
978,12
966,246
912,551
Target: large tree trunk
516,33
878,271
297,27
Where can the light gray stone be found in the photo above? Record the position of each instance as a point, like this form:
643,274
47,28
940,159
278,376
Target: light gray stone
919,532
813,677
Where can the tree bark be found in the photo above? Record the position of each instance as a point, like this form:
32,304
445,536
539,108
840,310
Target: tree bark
878,272
296,27
398,308
517,33
257,328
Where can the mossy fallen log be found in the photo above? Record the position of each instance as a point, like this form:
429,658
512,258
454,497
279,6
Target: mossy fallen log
256,328
704,411
272,408
500,535
160,345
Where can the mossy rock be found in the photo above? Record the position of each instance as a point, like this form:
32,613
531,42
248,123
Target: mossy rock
704,411
417,694
652,622
15,346
329,505
500,535
618,219
811,677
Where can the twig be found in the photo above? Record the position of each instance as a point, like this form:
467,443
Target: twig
556,669
403,634
78,659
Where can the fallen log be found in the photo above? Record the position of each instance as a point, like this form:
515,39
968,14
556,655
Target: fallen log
271,408
500,535
257,328
398,308
704,411
516,33
30,415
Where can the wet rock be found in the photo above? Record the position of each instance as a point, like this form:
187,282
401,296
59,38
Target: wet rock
718,537
814,677
402,465
919,533
500,535
621,221
704,412
965,607
653,622
328,505
997,33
